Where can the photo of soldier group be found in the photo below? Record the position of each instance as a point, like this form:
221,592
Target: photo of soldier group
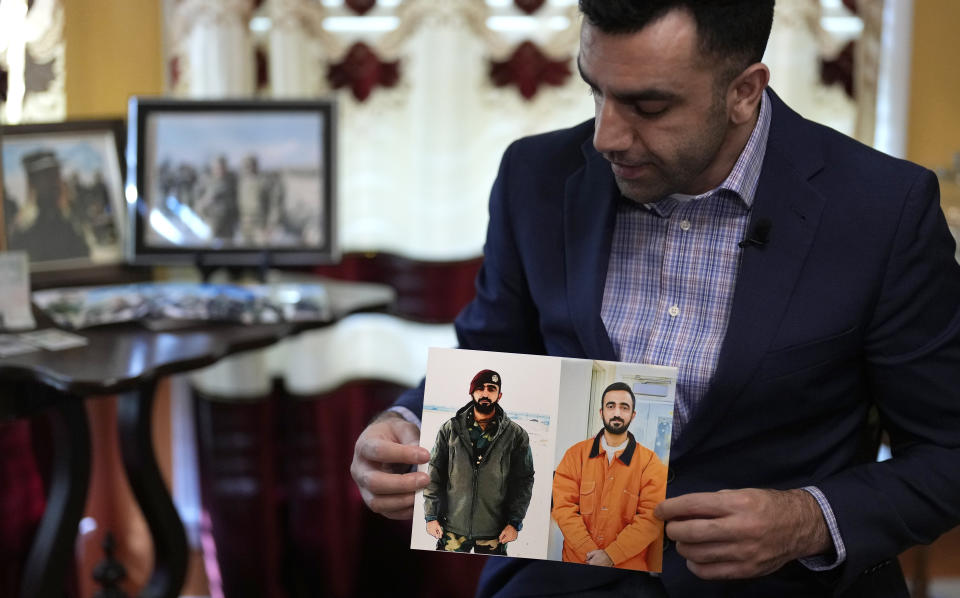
62,196
235,180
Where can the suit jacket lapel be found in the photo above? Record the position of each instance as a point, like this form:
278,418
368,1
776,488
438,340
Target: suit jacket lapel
589,217
767,274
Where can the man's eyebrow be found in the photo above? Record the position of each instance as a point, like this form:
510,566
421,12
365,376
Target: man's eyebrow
645,95
583,75
629,97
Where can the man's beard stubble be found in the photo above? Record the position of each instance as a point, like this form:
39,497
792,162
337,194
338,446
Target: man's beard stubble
691,159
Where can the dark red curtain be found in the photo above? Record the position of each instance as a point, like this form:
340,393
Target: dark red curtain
285,517
25,465
21,502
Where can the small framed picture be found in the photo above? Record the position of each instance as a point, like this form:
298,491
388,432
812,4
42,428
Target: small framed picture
63,193
231,182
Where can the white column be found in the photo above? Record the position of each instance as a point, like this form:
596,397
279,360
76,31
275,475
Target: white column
214,45
294,68
893,85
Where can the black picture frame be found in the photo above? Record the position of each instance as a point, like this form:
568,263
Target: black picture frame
63,193
231,182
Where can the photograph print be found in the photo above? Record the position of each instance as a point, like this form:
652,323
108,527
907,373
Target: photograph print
545,457
62,193
233,176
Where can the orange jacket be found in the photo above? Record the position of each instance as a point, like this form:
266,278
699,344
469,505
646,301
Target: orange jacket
610,505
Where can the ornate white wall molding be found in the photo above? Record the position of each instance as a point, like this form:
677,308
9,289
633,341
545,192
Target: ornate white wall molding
212,44
31,42
867,72
797,43
893,85
293,56
380,347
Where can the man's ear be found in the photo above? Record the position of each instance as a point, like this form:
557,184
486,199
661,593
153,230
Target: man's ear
745,91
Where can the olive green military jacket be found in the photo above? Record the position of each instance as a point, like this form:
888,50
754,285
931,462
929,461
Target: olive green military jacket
477,495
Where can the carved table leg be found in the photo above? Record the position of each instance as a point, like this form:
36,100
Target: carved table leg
50,555
135,413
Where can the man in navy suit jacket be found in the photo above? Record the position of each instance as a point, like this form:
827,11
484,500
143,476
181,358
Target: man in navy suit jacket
845,314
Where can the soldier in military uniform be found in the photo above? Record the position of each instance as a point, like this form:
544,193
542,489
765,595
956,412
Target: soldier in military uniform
43,227
481,475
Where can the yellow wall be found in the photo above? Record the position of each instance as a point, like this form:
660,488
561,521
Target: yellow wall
934,127
114,50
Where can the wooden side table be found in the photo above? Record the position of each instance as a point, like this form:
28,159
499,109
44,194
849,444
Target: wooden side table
127,360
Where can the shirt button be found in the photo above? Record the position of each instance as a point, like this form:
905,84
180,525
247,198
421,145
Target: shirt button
674,311
684,225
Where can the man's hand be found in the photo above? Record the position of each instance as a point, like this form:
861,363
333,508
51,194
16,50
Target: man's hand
736,534
381,462
509,534
600,558
434,529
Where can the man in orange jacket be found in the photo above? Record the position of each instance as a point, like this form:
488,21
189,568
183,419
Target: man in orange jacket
605,490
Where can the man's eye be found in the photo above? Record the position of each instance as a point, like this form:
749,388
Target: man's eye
650,108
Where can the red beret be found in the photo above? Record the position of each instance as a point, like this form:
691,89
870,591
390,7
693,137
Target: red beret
484,377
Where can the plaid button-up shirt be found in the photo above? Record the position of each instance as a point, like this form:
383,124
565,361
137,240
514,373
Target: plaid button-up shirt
672,271
670,281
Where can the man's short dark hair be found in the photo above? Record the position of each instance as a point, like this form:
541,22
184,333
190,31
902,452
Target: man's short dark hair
619,386
733,31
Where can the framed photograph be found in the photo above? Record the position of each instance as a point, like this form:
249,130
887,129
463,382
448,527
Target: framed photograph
231,182
62,193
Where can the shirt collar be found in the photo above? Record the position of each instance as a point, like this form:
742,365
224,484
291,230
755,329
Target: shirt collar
743,178
625,456
745,175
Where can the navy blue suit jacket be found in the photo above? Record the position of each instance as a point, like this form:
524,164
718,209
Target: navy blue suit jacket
853,303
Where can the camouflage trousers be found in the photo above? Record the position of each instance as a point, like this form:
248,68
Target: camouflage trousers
451,542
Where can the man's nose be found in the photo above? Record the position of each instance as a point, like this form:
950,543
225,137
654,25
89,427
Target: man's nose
612,132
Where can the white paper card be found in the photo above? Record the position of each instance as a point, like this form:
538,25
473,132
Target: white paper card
11,344
53,339
15,313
